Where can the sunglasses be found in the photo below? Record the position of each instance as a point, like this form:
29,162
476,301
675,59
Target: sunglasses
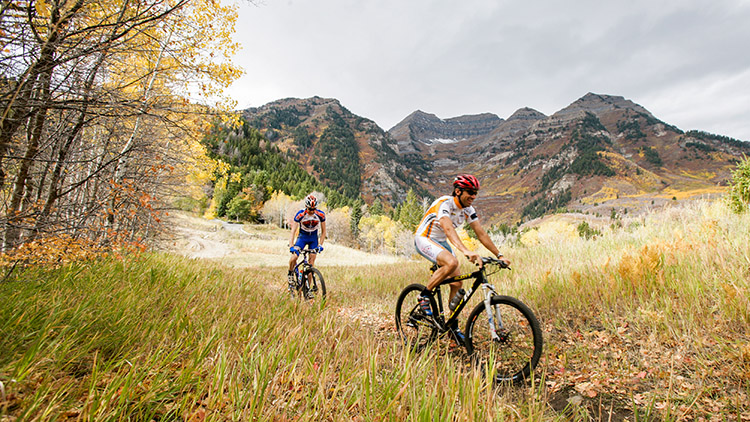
311,209
471,191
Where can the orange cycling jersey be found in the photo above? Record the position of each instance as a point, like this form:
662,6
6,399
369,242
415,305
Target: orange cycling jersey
445,206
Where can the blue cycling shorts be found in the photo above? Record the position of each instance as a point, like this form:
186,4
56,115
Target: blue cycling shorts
307,240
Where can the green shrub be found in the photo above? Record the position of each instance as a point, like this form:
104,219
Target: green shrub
189,204
652,156
240,208
700,146
739,193
586,231
631,129
543,205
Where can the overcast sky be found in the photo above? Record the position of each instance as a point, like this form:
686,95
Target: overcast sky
686,61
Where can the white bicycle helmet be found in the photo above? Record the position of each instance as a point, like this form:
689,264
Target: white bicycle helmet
311,202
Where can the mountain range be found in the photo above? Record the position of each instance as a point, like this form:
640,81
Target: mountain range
602,154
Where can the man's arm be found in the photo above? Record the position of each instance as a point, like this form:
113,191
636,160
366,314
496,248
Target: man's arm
484,238
322,233
487,241
295,229
450,232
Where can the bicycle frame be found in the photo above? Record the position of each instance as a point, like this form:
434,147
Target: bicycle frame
303,265
480,279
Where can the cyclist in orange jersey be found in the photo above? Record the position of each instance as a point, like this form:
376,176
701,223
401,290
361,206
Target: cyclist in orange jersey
439,225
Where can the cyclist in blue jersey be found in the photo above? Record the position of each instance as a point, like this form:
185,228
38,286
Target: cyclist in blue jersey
305,233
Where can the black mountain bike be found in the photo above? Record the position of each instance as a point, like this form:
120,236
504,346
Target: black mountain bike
308,280
502,334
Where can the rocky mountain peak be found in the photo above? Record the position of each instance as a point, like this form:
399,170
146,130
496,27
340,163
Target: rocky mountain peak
520,121
293,102
597,104
420,128
526,113
419,114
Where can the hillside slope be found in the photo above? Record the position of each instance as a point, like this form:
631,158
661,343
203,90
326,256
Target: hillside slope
599,153
346,152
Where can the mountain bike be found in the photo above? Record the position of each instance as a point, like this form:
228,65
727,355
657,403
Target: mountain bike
502,334
308,279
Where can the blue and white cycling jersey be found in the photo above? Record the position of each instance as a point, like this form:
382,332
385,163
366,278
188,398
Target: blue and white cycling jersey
309,223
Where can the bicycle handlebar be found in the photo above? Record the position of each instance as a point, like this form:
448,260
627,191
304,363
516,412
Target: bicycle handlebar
485,260
306,250
494,261
297,250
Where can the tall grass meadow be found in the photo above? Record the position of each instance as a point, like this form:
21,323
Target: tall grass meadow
648,321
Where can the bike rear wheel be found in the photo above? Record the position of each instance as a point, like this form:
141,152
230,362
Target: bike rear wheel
416,329
516,352
313,285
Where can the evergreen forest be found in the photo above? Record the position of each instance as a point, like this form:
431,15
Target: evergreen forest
257,168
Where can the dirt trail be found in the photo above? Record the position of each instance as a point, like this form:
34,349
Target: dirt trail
199,245
247,245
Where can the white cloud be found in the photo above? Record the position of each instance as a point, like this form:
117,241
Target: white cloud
684,60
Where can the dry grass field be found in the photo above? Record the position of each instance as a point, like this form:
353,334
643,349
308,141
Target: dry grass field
648,321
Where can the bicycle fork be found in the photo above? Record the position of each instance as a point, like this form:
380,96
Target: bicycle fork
494,318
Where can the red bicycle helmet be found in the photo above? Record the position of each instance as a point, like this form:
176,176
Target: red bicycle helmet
466,181
311,202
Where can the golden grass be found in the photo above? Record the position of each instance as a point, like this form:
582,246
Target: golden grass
646,322
692,193
606,193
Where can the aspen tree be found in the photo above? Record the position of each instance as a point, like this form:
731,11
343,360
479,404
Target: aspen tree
102,104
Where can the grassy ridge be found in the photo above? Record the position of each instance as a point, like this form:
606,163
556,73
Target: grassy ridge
656,313
649,322
165,338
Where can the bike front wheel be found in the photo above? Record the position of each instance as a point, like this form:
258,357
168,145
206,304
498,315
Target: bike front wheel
314,285
415,328
515,351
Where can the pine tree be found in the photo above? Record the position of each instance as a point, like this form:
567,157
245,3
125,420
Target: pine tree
376,208
356,215
739,193
395,213
411,211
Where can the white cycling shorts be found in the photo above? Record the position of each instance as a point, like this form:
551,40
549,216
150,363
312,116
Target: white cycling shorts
430,248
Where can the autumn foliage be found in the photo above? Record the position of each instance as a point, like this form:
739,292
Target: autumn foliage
100,116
